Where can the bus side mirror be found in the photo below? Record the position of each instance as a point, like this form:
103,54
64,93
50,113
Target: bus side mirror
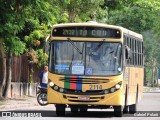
128,53
47,44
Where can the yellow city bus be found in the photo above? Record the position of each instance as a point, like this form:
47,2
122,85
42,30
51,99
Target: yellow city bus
95,65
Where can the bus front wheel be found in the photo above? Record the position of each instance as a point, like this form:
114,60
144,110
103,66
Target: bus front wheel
118,111
74,108
60,109
83,109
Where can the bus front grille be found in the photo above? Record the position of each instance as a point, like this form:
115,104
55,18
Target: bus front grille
76,98
88,92
83,101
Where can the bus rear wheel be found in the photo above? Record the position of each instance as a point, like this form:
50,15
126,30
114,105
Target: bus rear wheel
60,109
125,109
133,108
118,111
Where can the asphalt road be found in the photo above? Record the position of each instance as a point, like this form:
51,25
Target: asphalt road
148,109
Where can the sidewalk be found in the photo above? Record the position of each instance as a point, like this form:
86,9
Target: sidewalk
16,103
151,89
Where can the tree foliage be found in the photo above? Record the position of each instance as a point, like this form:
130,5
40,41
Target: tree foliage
136,16
81,10
141,16
24,26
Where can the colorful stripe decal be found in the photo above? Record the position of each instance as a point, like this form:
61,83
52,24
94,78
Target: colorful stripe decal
66,83
79,83
73,82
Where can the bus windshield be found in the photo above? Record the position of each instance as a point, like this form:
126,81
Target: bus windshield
96,59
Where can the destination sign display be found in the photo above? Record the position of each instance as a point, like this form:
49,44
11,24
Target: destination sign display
86,31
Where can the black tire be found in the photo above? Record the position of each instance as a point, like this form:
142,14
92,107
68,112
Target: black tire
133,108
60,109
42,99
74,108
118,111
83,109
125,109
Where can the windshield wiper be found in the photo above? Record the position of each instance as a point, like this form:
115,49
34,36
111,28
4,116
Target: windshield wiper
98,46
69,40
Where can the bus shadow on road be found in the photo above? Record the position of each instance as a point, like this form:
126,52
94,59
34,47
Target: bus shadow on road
98,114
52,113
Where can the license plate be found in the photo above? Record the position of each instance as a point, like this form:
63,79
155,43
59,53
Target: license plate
84,98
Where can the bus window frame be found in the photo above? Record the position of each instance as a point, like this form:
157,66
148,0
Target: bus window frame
51,70
132,41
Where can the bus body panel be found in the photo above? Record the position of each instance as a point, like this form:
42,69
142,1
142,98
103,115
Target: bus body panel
115,98
135,82
106,82
131,76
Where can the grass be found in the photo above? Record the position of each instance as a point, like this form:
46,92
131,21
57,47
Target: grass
2,104
150,89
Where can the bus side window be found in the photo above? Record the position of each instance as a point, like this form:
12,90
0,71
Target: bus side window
133,61
135,52
128,50
130,46
128,54
138,53
126,42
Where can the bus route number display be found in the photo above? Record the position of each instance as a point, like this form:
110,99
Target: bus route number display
86,32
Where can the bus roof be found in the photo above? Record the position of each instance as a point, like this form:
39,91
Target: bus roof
95,24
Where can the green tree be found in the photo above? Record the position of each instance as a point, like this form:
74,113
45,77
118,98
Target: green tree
151,56
11,24
24,25
81,10
141,16
135,18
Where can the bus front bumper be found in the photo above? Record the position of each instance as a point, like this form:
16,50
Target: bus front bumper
115,98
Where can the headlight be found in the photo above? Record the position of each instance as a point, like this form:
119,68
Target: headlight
56,87
117,86
61,90
51,84
106,91
112,89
